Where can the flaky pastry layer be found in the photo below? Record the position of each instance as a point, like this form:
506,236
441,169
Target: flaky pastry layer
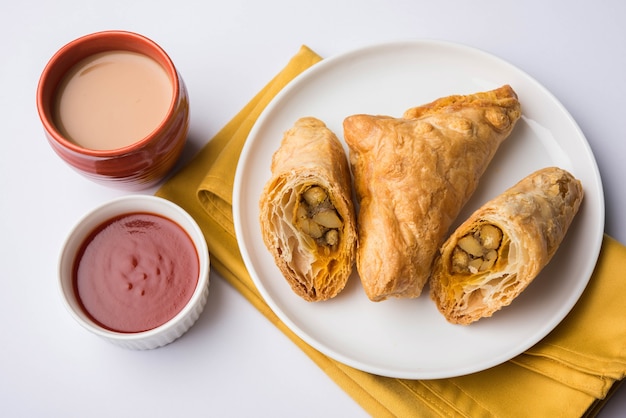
306,211
498,251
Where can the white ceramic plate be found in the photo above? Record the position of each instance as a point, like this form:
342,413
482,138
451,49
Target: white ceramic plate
410,338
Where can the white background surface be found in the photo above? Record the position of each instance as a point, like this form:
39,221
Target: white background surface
233,362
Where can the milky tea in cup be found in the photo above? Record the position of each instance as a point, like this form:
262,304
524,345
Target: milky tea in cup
115,108
112,99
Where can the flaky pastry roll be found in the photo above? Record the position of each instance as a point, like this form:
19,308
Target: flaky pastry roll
496,253
306,211
412,177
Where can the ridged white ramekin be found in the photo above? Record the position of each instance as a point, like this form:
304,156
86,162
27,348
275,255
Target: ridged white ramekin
176,326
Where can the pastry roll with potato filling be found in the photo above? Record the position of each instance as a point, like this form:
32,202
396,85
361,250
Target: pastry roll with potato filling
306,211
497,252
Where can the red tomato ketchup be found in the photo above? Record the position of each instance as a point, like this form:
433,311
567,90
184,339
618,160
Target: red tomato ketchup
135,272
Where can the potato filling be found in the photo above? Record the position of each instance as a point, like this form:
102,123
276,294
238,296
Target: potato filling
478,251
317,217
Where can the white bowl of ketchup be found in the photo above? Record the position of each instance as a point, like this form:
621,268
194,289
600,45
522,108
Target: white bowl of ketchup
135,271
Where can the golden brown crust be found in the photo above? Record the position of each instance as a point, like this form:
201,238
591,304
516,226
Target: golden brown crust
534,216
412,177
505,97
310,156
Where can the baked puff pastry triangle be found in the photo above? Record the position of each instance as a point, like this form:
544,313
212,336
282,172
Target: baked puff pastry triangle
306,211
413,175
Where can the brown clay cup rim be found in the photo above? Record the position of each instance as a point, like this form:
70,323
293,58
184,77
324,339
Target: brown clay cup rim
87,45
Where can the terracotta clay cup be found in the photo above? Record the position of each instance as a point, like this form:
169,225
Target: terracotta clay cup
141,164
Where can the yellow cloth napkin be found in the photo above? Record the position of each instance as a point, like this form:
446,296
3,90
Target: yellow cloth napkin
566,374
